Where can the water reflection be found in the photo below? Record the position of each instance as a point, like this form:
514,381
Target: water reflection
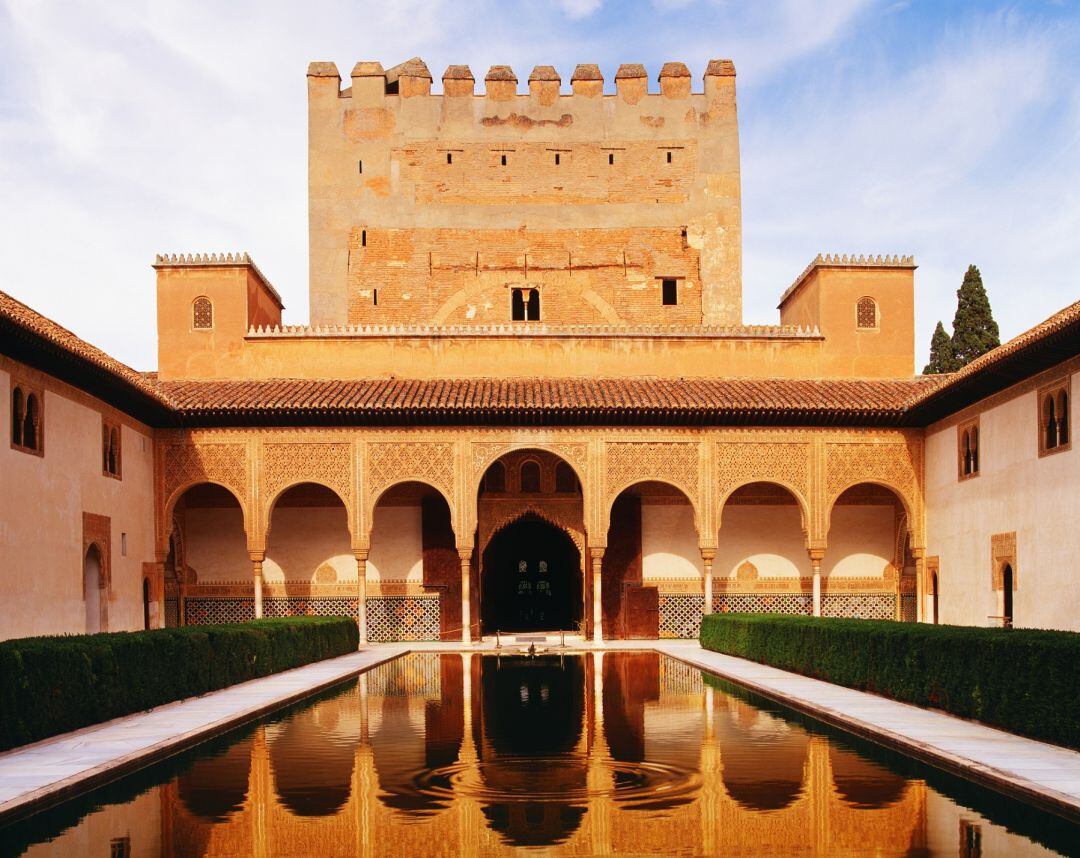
587,754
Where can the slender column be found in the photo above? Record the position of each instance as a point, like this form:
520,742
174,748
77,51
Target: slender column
361,594
816,556
597,602
257,572
707,555
465,554
919,555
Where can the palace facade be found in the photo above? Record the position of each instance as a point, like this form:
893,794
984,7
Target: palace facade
527,401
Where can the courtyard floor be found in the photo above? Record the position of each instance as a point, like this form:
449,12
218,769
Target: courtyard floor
52,770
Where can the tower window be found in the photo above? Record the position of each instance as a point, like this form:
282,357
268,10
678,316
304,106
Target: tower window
503,158
363,238
866,314
449,157
525,305
670,291
556,159
375,297
202,314
611,158
669,157
360,167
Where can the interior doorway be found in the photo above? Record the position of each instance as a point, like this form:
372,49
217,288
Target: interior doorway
531,579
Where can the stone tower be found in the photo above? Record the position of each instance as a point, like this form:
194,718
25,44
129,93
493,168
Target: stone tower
579,208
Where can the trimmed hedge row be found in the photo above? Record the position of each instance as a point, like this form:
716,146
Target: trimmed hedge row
50,685
1026,681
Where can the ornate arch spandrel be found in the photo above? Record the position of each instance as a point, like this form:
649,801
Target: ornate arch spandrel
550,513
390,463
782,463
677,463
285,464
893,465
185,464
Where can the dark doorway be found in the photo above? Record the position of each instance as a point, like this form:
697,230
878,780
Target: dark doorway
937,596
531,579
1007,586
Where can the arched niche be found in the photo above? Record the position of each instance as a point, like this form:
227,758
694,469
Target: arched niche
308,539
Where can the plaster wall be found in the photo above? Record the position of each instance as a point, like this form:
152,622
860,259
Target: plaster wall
139,820
42,501
862,540
669,543
769,536
302,539
1017,491
943,818
397,547
216,544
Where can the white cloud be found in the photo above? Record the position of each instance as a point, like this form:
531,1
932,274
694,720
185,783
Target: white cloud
580,8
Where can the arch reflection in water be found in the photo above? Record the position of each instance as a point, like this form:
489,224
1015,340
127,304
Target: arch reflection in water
601,753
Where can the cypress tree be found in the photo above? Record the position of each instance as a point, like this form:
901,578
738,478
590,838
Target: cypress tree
974,330
941,353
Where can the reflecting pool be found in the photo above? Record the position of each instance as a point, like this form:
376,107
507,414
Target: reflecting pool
628,753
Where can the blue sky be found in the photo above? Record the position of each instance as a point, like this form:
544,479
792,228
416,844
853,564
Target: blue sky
947,130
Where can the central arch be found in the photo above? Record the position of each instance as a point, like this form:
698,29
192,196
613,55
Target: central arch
532,578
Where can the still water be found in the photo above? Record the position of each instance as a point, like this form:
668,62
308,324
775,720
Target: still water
616,753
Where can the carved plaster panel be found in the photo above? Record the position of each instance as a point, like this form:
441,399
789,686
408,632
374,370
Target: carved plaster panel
185,464
326,463
675,462
391,462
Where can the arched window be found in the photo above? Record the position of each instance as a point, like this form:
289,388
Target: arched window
17,414
31,437
202,314
1054,429
1063,417
866,314
565,478
530,477
532,311
495,478
1050,423
525,305
968,449
517,305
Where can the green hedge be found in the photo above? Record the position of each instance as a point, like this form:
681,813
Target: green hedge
50,685
1026,681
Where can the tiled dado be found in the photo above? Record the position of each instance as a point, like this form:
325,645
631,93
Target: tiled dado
389,618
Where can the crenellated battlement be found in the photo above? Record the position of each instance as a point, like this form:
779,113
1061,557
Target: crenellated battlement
413,78
847,260
722,332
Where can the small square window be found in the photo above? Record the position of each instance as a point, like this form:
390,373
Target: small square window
670,292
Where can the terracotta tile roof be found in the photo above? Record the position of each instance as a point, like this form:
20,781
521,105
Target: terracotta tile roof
26,335
1046,344
563,401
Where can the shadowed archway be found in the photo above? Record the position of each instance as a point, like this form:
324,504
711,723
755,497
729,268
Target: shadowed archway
532,578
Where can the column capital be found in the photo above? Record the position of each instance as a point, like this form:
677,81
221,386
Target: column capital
257,556
708,553
464,553
817,554
917,553
596,552
360,554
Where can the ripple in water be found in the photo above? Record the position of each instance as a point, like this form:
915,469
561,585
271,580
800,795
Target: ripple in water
572,781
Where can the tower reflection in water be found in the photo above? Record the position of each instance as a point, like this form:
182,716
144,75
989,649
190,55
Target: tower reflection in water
587,754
